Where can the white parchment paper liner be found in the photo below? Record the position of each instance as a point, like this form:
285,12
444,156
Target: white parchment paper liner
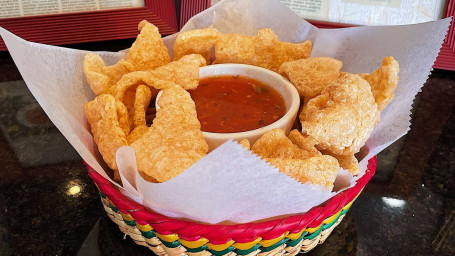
231,184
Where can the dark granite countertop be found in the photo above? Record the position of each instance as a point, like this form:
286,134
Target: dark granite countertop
50,206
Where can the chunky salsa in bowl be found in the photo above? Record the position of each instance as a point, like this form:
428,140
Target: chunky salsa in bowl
237,101
234,103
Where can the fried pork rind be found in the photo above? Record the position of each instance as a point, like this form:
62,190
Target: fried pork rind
141,102
102,115
122,116
184,72
321,170
275,144
310,76
342,117
102,78
304,142
234,48
174,142
384,81
199,41
263,50
295,161
347,162
137,133
245,143
148,51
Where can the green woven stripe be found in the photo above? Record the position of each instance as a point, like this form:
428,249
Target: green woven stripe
114,208
345,211
267,249
328,225
130,223
296,241
174,244
315,234
199,249
148,234
248,251
223,252
102,195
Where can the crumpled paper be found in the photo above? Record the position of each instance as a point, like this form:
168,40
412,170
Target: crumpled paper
231,184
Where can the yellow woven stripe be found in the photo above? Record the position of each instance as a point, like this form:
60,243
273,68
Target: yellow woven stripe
245,246
127,216
312,230
295,235
267,243
220,247
168,238
348,205
144,228
194,244
332,218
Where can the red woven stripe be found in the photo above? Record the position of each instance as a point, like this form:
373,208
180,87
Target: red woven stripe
241,233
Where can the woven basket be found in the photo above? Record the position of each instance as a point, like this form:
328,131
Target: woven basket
287,236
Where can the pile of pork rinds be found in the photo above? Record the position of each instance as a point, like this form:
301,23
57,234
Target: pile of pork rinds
339,110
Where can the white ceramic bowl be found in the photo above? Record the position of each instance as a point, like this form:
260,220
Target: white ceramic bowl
275,80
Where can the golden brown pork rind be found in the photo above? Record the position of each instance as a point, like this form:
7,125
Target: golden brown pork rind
263,50
141,102
304,142
342,117
122,116
310,76
184,72
321,170
137,133
347,162
174,142
302,165
245,143
101,77
148,51
275,144
384,81
102,116
199,41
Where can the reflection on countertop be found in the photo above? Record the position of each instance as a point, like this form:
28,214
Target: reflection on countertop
49,205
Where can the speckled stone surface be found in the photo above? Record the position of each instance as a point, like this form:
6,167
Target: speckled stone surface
408,208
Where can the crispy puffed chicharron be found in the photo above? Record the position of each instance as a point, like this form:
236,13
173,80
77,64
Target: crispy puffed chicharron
263,50
174,142
304,142
384,81
245,144
148,51
102,116
321,170
137,133
184,72
141,102
347,162
199,41
101,77
342,117
310,76
275,144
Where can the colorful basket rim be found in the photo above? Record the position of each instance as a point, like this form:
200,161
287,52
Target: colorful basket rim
240,233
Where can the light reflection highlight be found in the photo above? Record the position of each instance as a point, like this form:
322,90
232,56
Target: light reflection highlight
394,202
74,190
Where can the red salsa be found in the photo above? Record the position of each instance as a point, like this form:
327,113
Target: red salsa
227,104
